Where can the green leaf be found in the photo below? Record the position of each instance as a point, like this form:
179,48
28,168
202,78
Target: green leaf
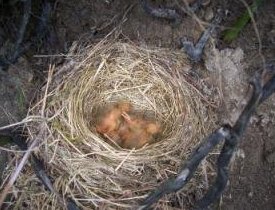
231,34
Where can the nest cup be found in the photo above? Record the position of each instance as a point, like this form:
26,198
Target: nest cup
82,163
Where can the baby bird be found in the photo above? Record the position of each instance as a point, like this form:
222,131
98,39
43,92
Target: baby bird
111,120
136,132
124,128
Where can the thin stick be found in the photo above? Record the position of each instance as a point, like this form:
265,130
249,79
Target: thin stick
260,50
16,172
50,74
24,121
12,150
23,161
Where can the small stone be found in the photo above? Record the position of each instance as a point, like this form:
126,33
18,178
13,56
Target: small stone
205,3
271,36
271,158
254,119
108,1
240,153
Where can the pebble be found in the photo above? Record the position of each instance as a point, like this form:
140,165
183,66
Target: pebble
205,3
209,14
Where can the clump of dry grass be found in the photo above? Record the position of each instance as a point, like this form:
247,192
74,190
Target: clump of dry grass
83,165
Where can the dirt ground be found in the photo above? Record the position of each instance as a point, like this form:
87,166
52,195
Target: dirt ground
252,174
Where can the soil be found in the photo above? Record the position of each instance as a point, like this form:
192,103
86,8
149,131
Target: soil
252,172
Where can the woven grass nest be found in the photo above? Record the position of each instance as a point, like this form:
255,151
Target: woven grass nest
83,164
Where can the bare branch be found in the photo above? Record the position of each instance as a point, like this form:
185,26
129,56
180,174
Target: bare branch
187,171
194,51
231,136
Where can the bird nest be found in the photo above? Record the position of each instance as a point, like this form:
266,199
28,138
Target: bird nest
85,165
